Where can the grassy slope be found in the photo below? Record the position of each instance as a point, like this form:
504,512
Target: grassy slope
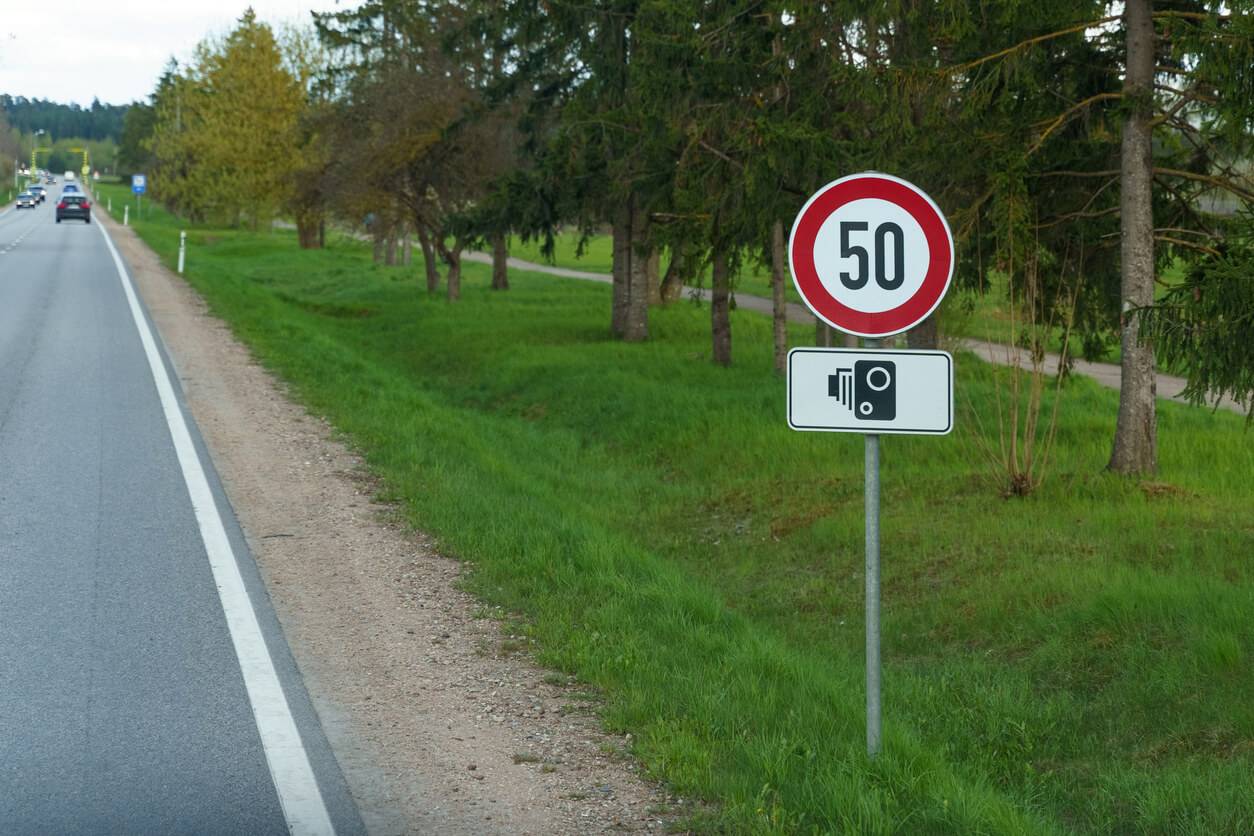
1075,661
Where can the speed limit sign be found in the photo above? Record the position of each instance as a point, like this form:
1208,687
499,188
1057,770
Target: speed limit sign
871,254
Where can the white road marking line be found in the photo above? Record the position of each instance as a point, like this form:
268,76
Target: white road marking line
290,769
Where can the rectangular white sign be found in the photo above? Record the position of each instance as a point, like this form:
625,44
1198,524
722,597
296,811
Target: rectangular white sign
870,391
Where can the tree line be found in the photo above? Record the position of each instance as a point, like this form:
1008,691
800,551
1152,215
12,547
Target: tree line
1080,147
98,121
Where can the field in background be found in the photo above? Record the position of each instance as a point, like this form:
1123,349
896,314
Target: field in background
1075,661
986,316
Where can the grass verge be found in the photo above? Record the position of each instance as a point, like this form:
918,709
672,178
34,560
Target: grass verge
1077,661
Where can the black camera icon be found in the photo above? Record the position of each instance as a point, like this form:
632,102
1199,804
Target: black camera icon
869,389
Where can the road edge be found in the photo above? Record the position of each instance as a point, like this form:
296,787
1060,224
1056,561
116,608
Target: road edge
271,693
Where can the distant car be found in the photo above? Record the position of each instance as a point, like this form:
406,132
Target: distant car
70,188
39,192
74,206
26,200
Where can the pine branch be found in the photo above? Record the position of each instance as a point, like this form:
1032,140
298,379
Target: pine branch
1194,137
1069,173
1072,216
1062,117
970,65
1185,203
720,154
1217,182
1191,93
1189,245
1185,96
1080,27
1183,231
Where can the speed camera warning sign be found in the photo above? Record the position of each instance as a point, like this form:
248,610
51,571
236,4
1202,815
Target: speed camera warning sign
870,392
871,254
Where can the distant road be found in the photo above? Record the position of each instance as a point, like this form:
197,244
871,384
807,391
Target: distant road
145,686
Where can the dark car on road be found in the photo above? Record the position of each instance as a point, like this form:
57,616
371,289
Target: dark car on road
74,206
38,191
27,200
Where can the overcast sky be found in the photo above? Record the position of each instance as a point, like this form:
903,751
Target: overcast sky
74,50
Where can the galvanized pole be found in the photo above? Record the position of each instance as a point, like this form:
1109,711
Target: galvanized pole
872,589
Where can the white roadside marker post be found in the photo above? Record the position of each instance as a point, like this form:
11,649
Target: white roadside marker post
126,215
182,250
871,255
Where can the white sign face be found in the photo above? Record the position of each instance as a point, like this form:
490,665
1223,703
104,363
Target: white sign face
871,254
874,392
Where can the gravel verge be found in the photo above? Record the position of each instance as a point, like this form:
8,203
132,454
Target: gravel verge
440,721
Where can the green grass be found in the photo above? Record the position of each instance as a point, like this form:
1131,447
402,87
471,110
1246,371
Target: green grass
1077,661
986,316
597,255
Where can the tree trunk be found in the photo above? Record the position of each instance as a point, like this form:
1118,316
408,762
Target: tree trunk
380,244
926,334
652,269
428,261
637,323
390,258
308,227
822,333
1136,431
453,258
322,233
779,303
500,266
630,312
851,340
672,287
720,308
619,269
407,254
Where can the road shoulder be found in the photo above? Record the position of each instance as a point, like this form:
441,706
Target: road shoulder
439,723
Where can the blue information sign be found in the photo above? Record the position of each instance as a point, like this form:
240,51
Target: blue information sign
139,183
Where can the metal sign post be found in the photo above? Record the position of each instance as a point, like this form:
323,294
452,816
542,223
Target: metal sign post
872,477
871,255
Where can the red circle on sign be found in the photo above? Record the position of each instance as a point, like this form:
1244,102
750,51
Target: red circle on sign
912,310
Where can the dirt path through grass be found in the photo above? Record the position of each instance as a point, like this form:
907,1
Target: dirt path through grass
1107,374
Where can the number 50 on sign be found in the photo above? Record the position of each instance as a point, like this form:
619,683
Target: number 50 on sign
871,254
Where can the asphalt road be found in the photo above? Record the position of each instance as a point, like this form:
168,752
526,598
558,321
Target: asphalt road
128,704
